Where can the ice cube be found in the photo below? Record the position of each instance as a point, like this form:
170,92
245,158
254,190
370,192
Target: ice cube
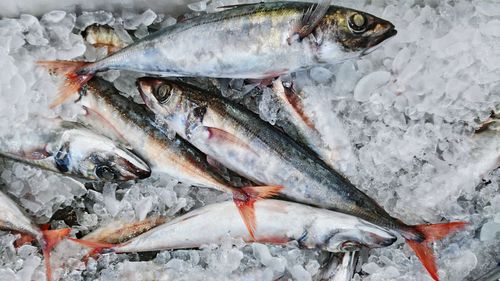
198,6
89,18
370,83
492,28
54,16
320,74
490,231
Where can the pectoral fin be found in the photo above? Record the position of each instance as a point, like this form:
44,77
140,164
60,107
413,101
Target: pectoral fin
310,19
225,138
98,121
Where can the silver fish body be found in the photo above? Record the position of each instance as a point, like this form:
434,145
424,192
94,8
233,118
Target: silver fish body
244,143
249,41
72,149
277,222
135,125
12,218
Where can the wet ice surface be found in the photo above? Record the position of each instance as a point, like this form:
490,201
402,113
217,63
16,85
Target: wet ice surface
407,112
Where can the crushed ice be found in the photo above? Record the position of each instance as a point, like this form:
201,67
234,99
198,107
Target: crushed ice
403,117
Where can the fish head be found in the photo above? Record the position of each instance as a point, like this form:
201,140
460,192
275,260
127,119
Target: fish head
346,33
91,156
364,235
171,101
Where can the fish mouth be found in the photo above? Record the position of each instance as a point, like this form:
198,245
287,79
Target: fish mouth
144,85
380,241
382,33
132,171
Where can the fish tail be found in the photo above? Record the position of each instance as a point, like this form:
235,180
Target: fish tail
419,238
245,197
50,239
75,74
91,254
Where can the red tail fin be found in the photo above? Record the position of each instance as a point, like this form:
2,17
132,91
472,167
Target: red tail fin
91,254
432,232
245,197
51,239
73,82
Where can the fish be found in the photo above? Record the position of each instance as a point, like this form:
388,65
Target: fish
12,218
307,133
278,222
253,148
136,126
72,149
249,41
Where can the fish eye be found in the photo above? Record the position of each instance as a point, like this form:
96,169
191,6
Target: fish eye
162,93
105,173
357,23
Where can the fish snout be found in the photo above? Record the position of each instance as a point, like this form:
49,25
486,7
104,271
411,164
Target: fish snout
388,241
132,167
145,86
381,32
384,240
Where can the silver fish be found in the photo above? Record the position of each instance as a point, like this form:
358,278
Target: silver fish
253,148
278,222
250,41
307,133
134,124
13,219
72,149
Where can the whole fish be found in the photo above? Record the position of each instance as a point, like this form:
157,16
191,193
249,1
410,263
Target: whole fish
248,41
72,149
244,143
278,222
13,219
136,125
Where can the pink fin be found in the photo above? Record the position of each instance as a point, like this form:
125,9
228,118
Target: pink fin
73,83
310,19
96,117
432,232
91,254
227,138
295,102
245,198
51,239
